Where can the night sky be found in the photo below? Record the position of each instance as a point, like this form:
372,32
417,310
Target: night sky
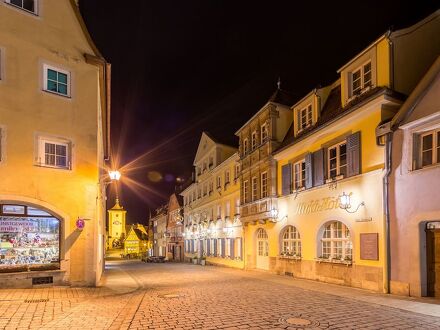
182,67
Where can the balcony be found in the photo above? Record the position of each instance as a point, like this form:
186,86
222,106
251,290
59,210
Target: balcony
258,210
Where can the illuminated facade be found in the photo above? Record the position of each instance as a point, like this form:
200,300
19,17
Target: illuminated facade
116,226
174,230
213,230
54,115
136,241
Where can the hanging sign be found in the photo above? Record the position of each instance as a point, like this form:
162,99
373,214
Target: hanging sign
80,223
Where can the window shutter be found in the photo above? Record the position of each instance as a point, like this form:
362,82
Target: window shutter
286,177
354,154
223,248
309,171
416,152
215,247
231,248
201,247
208,247
318,167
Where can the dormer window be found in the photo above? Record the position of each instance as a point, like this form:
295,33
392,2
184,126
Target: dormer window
264,133
305,117
361,78
254,140
245,146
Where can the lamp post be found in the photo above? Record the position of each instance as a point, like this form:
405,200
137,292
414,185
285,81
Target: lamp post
114,176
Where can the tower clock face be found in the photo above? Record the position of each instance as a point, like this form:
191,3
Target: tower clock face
116,223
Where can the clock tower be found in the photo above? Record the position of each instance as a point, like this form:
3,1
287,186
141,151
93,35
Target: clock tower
116,225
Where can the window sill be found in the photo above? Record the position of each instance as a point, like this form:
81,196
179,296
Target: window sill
336,178
33,13
295,258
334,261
426,167
58,94
54,167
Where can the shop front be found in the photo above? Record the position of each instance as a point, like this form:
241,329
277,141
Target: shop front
29,244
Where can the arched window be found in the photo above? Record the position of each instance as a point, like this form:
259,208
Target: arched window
291,242
336,242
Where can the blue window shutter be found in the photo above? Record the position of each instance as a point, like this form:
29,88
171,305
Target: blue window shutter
201,247
231,248
309,170
223,247
286,179
354,154
208,247
318,167
215,247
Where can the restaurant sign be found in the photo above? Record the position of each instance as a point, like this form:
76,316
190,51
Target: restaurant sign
10,225
318,205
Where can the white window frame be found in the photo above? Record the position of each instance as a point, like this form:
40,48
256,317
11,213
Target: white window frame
299,176
219,181
36,6
212,251
41,152
245,146
291,242
228,248
254,188
219,211
264,133
332,241
435,148
228,209
238,248
263,188
227,177
362,83
246,191
46,67
237,171
307,121
219,247
338,160
254,139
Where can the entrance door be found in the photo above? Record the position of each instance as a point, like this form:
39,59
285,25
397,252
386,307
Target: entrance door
262,249
433,261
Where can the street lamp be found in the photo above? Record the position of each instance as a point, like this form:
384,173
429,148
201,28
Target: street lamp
114,175
345,203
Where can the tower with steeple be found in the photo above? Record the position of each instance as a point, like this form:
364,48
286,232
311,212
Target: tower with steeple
116,225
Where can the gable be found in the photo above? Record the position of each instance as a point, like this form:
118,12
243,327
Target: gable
205,145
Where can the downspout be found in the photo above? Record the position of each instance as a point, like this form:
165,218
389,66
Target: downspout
386,194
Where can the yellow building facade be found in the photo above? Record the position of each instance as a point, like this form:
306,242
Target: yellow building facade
54,115
213,230
116,226
136,242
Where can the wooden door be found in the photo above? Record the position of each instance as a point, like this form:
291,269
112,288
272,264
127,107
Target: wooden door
262,249
433,261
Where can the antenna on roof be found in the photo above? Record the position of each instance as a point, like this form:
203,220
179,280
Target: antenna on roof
279,83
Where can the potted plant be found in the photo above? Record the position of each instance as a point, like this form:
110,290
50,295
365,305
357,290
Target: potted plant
203,261
194,260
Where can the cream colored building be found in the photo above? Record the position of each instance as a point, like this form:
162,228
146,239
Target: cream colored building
54,126
116,226
213,230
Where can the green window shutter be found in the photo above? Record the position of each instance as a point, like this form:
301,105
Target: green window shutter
309,170
286,179
354,154
318,167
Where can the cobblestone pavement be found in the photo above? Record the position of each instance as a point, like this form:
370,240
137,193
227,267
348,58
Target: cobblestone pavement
182,296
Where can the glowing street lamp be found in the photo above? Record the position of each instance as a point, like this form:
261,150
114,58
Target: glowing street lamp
345,203
114,175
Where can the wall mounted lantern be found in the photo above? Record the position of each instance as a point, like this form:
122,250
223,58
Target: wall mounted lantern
345,203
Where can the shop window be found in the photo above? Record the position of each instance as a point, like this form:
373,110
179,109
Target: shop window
54,153
27,5
291,242
29,239
56,80
336,242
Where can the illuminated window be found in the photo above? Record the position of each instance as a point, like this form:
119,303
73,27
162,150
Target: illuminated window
336,242
56,80
27,5
264,133
29,237
246,191
254,140
429,150
337,160
254,188
245,146
53,153
305,117
227,177
291,243
299,174
264,185
237,171
361,78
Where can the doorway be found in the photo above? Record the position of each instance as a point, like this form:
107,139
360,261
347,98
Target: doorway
262,249
433,259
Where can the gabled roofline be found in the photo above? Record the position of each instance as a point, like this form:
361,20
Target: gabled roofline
415,26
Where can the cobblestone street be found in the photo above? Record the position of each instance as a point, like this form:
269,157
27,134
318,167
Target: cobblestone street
136,295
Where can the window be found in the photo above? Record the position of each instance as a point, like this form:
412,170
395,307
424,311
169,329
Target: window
227,209
337,160
29,236
219,247
54,153
199,194
237,171
205,189
254,140
336,242
227,177
27,5
212,249
237,248
211,161
254,188
264,133
219,211
361,78
245,146
211,187
219,182
263,184
237,206
299,174
430,148
228,248
291,242
56,80
305,117
246,191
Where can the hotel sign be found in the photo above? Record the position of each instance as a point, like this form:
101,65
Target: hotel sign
318,205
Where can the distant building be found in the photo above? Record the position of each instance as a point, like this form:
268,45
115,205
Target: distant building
136,241
159,223
174,231
116,226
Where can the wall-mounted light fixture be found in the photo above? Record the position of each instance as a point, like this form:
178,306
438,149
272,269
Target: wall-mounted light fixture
274,215
345,203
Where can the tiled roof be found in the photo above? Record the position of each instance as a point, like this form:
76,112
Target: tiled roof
283,97
333,110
